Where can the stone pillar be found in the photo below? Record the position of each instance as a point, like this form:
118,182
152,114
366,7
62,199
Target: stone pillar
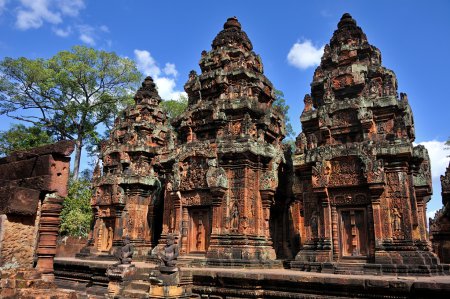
375,193
267,200
48,233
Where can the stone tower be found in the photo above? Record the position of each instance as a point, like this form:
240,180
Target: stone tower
440,224
361,185
126,193
223,176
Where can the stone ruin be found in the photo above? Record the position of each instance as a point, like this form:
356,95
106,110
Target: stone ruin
33,185
353,200
126,199
361,185
440,224
217,188
222,177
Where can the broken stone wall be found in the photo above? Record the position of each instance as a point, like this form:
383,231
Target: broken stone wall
33,184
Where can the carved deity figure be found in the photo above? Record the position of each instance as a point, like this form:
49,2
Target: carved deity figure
200,232
397,219
314,225
170,252
235,218
307,100
125,253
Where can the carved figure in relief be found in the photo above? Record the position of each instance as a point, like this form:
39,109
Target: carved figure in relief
200,232
312,141
235,218
246,124
314,224
301,143
397,219
307,100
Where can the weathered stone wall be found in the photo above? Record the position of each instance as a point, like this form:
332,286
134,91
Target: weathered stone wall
69,246
32,187
18,250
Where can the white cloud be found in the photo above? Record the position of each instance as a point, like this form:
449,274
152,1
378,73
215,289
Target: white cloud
32,14
438,157
146,63
62,32
104,28
70,7
2,5
88,39
166,84
430,214
87,34
304,55
170,69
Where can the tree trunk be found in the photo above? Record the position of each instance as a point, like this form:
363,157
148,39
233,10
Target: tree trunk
76,164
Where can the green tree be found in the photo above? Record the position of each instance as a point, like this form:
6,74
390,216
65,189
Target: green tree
69,94
281,103
76,215
20,137
173,108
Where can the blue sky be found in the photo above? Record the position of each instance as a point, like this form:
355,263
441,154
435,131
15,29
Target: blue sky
167,37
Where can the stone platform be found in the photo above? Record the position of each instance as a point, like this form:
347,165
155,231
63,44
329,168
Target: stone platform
89,278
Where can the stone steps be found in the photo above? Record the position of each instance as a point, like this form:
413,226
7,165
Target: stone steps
139,285
135,294
349,268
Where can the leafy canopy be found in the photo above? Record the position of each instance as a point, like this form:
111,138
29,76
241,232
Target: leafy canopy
173,108
76,215
69,94
281,103
20,137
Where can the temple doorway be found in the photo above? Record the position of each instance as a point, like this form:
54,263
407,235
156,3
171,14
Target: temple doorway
353,233
199,230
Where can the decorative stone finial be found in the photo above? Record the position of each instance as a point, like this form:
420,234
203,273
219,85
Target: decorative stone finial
346,20
232,22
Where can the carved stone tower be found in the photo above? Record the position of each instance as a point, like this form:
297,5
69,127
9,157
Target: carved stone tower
440,224
126,194
361,185
224,173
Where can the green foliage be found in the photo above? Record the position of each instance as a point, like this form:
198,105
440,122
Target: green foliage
76,215
281,103
69,94
20,137
173,108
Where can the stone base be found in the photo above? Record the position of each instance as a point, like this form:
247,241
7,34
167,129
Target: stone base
314,256
169,292
370,269
241,252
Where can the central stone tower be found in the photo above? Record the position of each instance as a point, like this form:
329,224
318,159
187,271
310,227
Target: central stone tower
222,178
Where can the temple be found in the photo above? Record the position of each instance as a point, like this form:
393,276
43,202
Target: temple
222,178
126,199
440,224
177,204
361,185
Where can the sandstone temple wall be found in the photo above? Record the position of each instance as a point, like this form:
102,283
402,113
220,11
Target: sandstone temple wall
32,187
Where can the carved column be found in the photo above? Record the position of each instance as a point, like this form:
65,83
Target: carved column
48,232
327,226
267,200
184,230
375,194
